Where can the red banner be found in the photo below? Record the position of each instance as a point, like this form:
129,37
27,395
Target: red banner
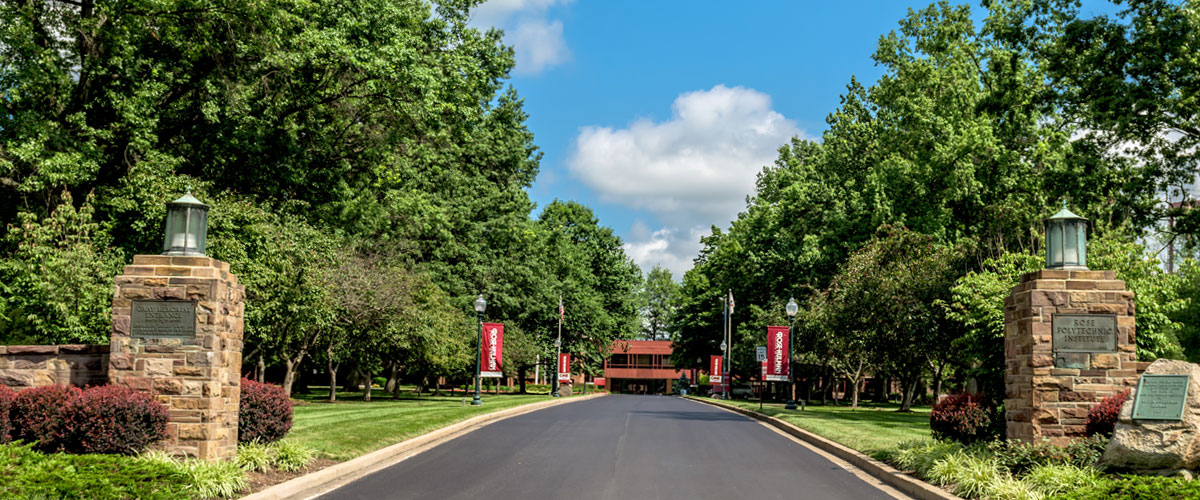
493,350
564,367
764,371
778,354
714,372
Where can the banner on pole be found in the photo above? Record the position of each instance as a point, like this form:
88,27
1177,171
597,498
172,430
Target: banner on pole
714,372
778,358
564,367
493,350
764,371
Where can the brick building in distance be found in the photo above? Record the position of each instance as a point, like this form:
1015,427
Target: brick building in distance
641,367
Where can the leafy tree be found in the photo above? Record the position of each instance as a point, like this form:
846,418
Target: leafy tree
58,282
659,294
1156,293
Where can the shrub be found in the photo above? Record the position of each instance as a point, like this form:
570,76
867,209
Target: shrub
291,456
205,479
966,418
919,456
6,401
115,420
1052,479
39,415
970,475
29,474
253,456
265,414
1103,417
1135,488
1020,457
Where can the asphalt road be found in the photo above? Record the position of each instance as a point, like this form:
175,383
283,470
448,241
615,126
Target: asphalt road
616,447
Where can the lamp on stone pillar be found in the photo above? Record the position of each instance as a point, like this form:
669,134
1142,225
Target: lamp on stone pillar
187,227
1066,241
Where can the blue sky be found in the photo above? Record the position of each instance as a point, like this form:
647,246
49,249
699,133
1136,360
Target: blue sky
659,114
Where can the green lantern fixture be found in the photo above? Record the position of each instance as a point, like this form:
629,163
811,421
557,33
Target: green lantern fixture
1066,240
187,227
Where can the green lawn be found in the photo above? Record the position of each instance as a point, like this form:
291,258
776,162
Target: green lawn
351,427
870,429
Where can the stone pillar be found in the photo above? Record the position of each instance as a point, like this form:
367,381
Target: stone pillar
1054,377
177,333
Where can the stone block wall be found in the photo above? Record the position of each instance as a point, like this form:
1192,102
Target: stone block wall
24,366
1048,393
198,376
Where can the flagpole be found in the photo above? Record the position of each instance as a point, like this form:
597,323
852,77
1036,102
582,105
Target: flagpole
557,348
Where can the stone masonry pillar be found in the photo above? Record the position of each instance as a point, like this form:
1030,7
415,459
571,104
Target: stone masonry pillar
177,333
1068,344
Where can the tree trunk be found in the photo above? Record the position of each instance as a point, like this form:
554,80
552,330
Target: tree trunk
289,377
521,379
909,389
261,370
393,381
367,386
333,367
937,381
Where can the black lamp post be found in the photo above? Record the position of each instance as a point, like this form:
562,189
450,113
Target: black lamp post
792,309
480,306
187,227
1066,240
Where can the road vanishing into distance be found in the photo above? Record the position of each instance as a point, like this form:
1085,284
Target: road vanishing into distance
616,447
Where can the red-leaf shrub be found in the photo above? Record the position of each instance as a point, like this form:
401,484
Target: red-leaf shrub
265,414
1102,418
966,418
6,399
39,415
114,419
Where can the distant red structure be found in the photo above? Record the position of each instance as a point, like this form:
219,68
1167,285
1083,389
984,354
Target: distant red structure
641,367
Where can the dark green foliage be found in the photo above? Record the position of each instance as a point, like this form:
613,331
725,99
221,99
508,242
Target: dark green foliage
1019,457
265,413
965,418
1137,488
25,473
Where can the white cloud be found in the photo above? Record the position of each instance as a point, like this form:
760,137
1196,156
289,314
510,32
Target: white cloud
537,40
691,171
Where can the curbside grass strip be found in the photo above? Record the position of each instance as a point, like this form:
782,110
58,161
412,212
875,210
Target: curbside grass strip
337,475
906,484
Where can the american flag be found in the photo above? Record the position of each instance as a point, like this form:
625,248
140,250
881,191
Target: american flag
731,302
561,312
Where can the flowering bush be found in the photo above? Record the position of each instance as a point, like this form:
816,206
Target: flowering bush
115,420
39,415
265,414
6,400
966,418
1102,418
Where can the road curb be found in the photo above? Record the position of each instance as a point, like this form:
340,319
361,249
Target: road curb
337,475
891,476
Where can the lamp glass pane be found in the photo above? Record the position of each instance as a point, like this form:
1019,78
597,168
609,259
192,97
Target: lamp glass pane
1054,245
176,224
1083,244
1070,244
195,230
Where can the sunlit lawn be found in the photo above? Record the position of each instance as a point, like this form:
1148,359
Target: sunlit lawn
351,427
870,429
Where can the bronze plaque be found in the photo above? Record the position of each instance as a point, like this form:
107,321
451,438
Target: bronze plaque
1085,332
163,319
1161,397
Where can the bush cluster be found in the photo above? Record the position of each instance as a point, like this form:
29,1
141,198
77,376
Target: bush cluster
6,399
287,456
102,419
265,414
1135,488
965,418
1102,418
1020,458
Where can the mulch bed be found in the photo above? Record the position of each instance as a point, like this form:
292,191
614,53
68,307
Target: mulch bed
262,480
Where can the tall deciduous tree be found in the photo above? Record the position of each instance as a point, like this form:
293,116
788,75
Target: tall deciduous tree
659,295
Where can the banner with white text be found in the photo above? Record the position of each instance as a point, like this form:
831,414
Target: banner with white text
493,350
564,367
714,372
778,360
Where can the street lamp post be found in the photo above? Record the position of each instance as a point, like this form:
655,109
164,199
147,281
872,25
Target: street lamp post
724,370
480,306
792,309
557,356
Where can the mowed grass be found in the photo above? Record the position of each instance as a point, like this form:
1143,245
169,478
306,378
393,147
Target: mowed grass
351,427
871,429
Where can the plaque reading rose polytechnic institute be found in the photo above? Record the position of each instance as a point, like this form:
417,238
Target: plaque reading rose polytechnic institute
1085,332
162,319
